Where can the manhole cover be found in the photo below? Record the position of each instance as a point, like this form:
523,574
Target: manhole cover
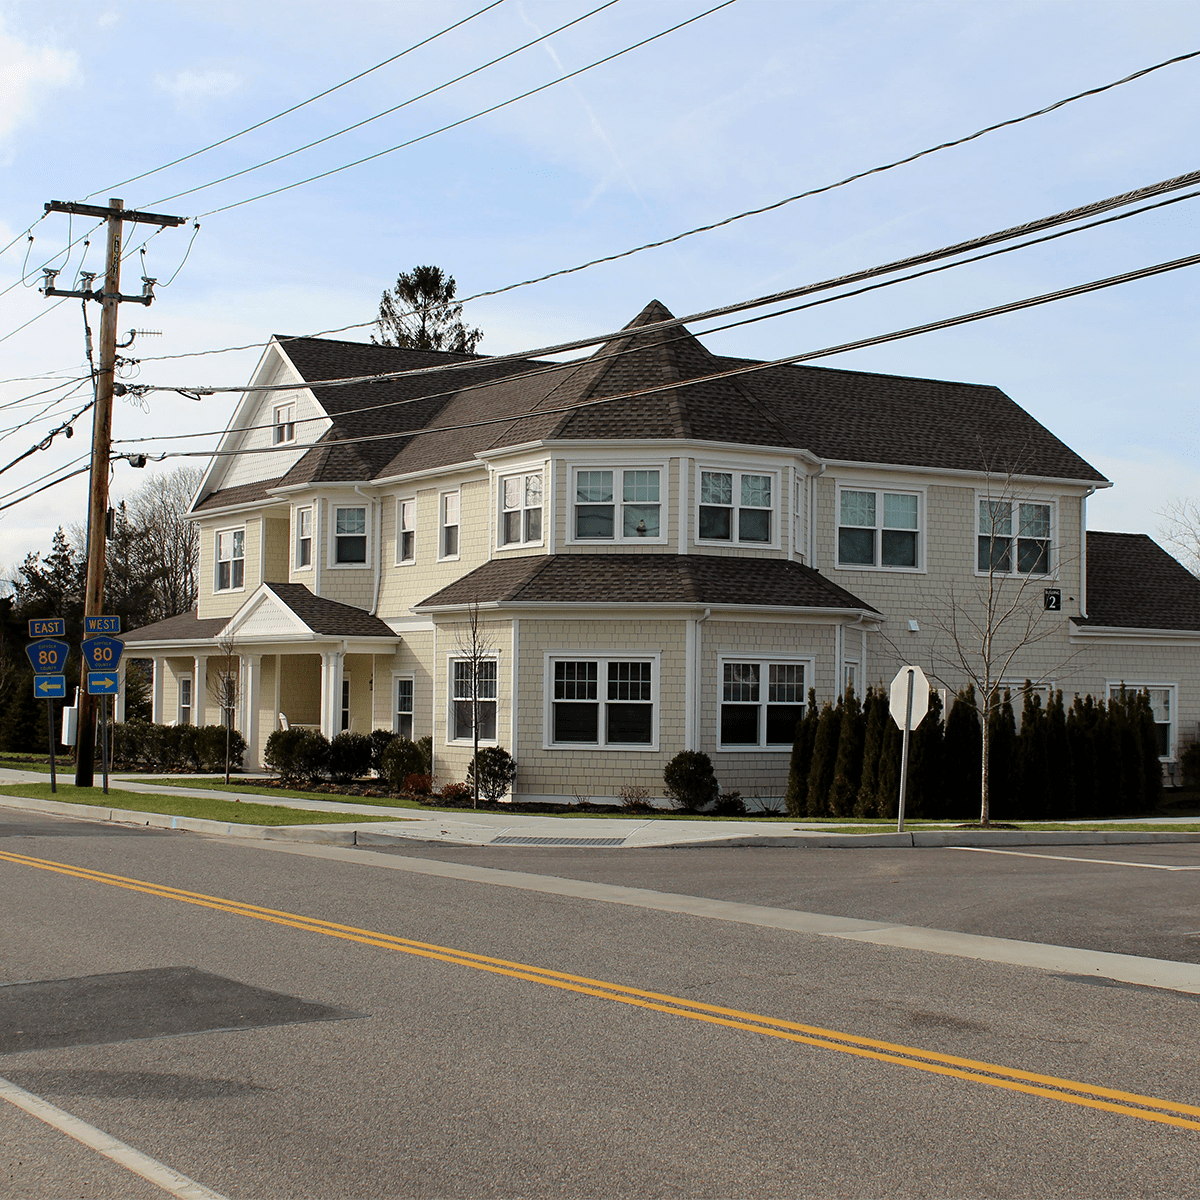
555,841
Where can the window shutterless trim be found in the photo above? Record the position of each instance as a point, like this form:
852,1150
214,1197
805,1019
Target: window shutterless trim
1016,500
400,532
298,526
232,559
332,560
618,503
736,506
879,528
443,525
527,515
764,663
452,700
602,660
1137,685
399,677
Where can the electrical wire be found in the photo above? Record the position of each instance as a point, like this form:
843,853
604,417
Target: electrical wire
23,233
464,120
46,487
295,107
748,369
48,440
387,112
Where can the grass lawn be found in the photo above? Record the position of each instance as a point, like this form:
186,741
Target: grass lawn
205,807
31,762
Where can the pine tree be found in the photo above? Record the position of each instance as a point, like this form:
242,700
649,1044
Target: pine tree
1032,765
875,712
802,749
820,774
1081,722
847,770
420,313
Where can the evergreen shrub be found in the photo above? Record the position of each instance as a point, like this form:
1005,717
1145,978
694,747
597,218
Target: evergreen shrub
349,756
497,772
380,740
401,758
690,781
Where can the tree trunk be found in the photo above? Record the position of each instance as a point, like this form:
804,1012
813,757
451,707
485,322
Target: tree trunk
475,735
985,799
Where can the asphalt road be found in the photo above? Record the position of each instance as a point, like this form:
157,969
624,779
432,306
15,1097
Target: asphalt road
268,1054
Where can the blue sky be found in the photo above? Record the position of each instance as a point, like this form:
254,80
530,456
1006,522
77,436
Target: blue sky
759,101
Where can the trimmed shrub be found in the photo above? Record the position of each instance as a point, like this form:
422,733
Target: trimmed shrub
497,771
210,748
349,756
1189,762
312,755
730,804
802,748
380,740
690,781
425,745
280,753
402,758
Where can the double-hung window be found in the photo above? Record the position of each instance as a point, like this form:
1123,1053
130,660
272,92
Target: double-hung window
284,429
761,702
521,509
350,536
448,533
620,506
406,531
185,699
1014,537
231,559
483,702
304,536
1162,705
736,507
404,708
602,702
878,528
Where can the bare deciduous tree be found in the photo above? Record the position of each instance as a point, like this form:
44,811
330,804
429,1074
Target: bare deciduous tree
225,688
159,508
476,654
1181,530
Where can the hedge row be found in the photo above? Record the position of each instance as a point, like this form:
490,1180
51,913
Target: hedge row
1094,759
140,744
307,756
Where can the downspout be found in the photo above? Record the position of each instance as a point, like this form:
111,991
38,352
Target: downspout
1083,553
812,516
699,698
377,527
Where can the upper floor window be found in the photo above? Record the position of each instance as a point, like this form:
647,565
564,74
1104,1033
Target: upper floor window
521,509
350,536
761,703
449,530
878,528
406,531
735,507
231,559
618,506
285,424
1014,537
304,536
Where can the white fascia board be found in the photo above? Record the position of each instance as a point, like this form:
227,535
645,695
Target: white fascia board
839,464
573,610
1123,633
247,506
175,647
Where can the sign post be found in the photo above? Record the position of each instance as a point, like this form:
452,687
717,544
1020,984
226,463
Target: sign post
101,654
47,657
909,702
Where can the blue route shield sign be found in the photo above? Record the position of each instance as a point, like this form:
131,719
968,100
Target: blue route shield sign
48,656
52,627
49,687
102,683
102,653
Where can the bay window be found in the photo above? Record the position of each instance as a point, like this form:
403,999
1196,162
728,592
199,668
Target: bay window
620,506
736,507
304,535
521,509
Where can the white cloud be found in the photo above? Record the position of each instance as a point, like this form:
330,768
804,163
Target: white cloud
193,87
27,72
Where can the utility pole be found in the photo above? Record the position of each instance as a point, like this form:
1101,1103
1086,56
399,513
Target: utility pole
110,298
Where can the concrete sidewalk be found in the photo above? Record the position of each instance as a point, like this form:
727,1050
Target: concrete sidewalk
499,829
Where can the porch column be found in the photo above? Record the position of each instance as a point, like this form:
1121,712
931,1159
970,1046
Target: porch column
200,690
332,667
156,702
119,698
251,671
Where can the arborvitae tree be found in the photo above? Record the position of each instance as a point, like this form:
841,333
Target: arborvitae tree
1002,755
1127,769
824,758
1151,767
1032,765
847,770
1106,752
802,750
1060,774
875,714
1081,723
889,766
962,757
925,748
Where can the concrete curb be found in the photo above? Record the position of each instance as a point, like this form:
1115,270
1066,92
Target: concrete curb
923,840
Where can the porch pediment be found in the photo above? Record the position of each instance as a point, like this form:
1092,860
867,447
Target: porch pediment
289,612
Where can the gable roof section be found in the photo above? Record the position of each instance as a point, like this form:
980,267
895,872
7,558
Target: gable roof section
245,493
1134,583
329,618
646,579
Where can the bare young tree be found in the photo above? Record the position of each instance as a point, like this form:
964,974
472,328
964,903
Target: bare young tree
159,510
475,672
225,689
1181,530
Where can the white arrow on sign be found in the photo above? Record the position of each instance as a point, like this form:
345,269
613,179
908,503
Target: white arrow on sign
899,696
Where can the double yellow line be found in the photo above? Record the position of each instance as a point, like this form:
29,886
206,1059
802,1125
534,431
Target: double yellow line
1067,1091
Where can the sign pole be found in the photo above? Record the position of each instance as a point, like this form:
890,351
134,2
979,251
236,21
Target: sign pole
104,740
50,732
904,750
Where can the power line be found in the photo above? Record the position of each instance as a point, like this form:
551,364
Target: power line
296,107
53,483
751,368
473,117
48,440
387,111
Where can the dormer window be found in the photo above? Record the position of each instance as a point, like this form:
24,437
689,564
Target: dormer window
736,507
285,424
620,506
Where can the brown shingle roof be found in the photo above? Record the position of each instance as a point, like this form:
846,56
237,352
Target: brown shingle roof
244,493
646,579
187,627
329,617
1133,583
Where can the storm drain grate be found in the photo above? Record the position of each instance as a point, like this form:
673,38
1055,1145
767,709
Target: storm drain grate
555,841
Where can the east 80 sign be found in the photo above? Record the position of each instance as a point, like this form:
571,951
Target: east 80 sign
102,653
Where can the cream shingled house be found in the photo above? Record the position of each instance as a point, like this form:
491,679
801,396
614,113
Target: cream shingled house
653,573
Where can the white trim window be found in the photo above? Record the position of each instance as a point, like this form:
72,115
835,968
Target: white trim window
304,537
850,676
878,528
450,506
603,702
350,536
633,515
406,531
761,702
1015,537
521,501
736,507
1164,707
284,429
185,699
231,560
344,722
461,728
402,719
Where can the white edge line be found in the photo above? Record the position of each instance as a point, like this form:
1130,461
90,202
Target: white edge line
103,1143
1104,862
